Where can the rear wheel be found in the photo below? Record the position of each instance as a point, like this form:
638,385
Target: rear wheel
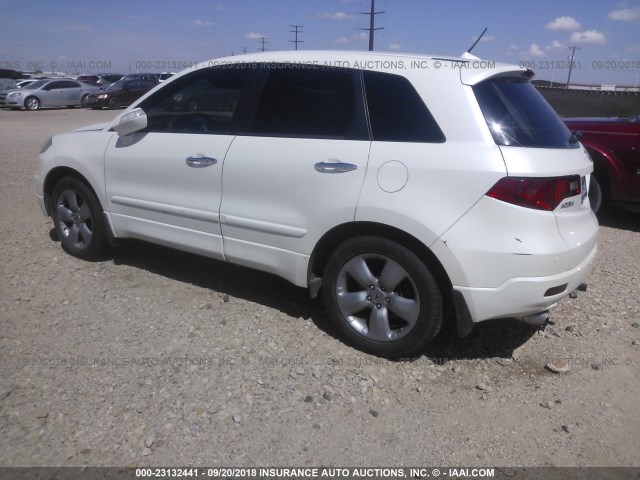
78,219
381,297
83,100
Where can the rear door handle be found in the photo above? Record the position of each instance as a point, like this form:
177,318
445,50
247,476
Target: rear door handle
200,161
334,167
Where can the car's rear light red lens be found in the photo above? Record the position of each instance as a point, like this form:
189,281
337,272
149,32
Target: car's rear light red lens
538,193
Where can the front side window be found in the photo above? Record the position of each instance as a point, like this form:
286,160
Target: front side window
203,102
311,103
517,115
397,112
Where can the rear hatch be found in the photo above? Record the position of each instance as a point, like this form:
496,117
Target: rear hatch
547,168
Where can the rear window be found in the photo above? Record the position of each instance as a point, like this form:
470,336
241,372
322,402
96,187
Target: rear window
517,115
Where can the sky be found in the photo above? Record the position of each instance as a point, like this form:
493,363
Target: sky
78,37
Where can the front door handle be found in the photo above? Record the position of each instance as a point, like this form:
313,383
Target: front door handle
200,161
334,167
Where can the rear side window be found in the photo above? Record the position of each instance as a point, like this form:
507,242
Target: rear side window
397,112
311,103
517,115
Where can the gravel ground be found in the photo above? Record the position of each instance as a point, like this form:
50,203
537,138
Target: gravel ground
157,357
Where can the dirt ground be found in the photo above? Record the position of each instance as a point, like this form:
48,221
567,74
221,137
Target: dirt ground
160,358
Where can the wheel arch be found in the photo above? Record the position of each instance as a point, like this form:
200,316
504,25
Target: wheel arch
330,240
57,174
606,171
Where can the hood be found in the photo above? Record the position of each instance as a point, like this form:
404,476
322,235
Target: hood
93,128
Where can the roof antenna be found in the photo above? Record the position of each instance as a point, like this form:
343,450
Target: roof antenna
468,54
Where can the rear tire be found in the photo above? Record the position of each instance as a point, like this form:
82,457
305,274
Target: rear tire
381,297
78,219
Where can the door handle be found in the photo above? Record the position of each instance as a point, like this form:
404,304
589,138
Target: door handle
334,167
200,161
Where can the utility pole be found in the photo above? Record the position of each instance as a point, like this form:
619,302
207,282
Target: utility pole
244,49
573,53
296,31
263,40
372,15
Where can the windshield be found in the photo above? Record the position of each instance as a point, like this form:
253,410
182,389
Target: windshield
35,85
517,115
119,85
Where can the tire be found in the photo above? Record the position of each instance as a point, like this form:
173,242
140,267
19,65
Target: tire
595,194
83,100
114,104
381,297
78,220
32,103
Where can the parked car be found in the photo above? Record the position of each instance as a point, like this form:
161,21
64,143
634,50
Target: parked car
100,79
614,145
24,83
118,94
151,77
58,92
406,194
165,76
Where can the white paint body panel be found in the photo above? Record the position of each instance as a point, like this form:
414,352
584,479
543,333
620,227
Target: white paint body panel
265,206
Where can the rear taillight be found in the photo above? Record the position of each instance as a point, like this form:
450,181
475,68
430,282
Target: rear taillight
538,193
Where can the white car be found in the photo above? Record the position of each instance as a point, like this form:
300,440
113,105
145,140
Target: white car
408,189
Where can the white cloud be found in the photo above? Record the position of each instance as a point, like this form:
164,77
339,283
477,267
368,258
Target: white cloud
588,37
342,40
563,23
395,46
555,45
634,48
535,51
335,16
201,23
513,46
219,7
625,14
255,36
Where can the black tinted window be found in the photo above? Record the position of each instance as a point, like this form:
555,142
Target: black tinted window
396,111
203,102
517,115
311,103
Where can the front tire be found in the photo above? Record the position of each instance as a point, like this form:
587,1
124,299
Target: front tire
78,219
114,104
32,103
381,297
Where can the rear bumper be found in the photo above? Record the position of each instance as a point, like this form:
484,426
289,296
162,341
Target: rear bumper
519,297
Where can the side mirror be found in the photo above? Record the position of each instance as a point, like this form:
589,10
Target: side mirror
131,122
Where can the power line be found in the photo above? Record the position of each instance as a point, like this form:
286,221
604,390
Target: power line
296,31
372,15
263,41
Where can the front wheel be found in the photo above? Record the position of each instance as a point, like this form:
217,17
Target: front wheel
32,103
114,104
381,297
78,219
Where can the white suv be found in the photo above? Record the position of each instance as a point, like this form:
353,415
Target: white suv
408,189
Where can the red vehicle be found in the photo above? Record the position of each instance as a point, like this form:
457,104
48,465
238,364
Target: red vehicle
614,146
